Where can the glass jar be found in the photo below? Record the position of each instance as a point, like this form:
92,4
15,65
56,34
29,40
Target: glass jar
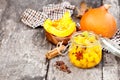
85,50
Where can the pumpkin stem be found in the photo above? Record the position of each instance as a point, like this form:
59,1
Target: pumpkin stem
107,6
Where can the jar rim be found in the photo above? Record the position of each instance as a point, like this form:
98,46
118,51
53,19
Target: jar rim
80,44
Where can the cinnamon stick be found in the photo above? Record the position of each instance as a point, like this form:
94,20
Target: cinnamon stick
54,52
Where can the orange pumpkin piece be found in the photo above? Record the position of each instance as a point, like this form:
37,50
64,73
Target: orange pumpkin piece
62,27
99,21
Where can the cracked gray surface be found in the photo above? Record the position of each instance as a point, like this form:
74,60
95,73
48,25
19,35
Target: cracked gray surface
22,48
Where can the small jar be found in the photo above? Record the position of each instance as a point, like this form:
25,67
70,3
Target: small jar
85,50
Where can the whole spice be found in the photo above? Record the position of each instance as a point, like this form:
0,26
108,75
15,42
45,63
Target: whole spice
55,52
79,55
61,66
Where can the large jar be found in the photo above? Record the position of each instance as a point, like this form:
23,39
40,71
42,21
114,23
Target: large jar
85,50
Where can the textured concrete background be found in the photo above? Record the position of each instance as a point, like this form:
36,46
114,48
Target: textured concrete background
22,49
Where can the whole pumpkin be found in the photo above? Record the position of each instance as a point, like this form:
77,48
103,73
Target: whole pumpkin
99,21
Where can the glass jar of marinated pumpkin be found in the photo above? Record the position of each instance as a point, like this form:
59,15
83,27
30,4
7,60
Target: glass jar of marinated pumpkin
85,50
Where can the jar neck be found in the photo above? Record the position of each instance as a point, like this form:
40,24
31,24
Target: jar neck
91,44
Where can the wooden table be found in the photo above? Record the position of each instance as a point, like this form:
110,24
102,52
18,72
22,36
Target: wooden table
22,49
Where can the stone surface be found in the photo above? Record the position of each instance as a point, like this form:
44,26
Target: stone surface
22,49
110,62
93,3
76,73
3,4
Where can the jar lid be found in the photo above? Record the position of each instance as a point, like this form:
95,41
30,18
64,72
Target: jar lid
110,46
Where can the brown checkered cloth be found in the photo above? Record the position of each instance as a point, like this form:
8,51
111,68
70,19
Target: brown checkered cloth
34,18
56,11
116,37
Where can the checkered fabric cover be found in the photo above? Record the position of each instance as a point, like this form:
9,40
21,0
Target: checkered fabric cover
56,11
116,39
34,18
